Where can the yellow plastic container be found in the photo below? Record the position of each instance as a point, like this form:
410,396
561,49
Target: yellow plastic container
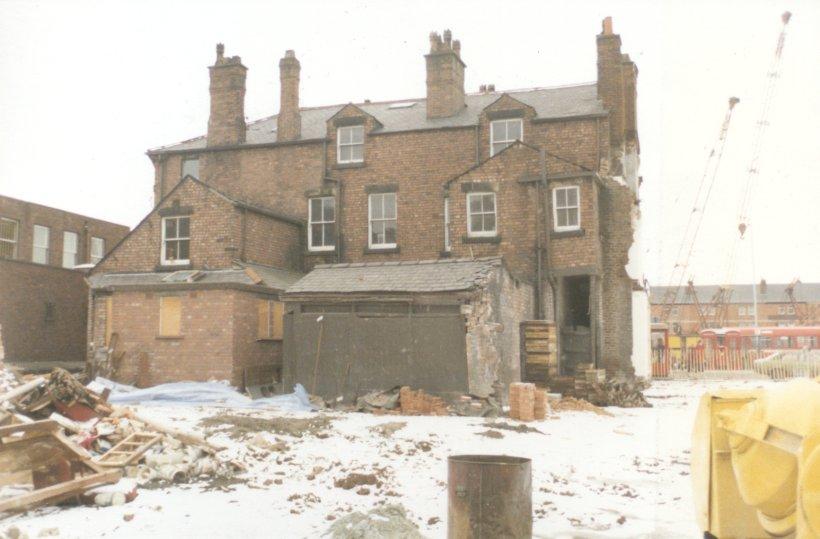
756,462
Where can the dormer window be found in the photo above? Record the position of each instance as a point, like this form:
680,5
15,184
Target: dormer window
505,132
350,144
176,241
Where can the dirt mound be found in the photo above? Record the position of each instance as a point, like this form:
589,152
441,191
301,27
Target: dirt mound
239,426
357,479
571,404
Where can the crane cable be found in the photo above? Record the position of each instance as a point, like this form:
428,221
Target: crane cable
753,172
688,243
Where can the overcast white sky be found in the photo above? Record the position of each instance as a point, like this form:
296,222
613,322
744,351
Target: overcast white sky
87,87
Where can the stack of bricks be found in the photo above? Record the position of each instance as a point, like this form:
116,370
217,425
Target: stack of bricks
540,404
522,401
586,378
420,403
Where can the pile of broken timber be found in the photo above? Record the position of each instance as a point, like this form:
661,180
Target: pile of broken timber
60,439
57,468
592,385
527,402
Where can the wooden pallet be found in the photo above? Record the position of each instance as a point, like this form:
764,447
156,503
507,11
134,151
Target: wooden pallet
129,450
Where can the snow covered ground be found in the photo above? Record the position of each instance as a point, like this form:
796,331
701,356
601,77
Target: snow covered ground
624,475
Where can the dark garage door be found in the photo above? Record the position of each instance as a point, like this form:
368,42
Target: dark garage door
369,346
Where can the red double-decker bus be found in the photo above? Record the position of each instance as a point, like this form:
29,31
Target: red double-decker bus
761,338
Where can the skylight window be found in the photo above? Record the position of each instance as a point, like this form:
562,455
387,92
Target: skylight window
405,105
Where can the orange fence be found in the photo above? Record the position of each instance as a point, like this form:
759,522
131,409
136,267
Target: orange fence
695,361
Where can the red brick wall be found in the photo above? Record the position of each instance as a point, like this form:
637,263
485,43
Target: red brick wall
204,351
25,289
218,337
272,242
213,240
256,361
28,214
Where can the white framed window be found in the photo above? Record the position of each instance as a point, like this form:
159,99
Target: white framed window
790,309
566,208
39,250
97,249
190,167
447,245
350,144
9,233
741,311
322,229
481,215
382,221
70,244
505,132
781,309
176,240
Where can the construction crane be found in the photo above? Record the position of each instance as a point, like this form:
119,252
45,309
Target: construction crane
693,223
753,172
800,309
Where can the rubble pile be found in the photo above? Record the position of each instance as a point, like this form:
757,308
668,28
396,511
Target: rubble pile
62,440
624,393
402,400
386,521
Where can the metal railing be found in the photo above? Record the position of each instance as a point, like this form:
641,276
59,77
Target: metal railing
701,363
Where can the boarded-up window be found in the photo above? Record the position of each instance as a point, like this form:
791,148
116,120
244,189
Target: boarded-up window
170,313
270,319
109,319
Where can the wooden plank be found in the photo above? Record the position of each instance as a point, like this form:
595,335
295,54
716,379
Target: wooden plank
46,425
59,492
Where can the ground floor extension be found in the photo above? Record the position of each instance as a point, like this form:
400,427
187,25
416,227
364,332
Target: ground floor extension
447,326
198,325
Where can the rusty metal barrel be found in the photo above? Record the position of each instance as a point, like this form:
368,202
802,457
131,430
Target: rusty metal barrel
489,496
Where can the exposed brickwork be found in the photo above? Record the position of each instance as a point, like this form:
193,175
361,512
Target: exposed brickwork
42,312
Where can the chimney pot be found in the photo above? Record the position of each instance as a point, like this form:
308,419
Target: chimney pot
445,77
606,26
289,120
226,124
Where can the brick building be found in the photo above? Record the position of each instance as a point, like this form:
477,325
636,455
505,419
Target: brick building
544,179
44,253
776,306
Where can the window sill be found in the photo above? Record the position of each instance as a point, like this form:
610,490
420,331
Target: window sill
321,252
173,267
170,337
567,233
481,239
381,250
342,166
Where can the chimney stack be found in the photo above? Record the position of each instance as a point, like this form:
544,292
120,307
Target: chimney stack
289,121
617,86
226,124
445,76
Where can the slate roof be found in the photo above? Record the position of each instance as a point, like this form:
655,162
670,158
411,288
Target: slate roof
274,278
447,275
549,103
775,293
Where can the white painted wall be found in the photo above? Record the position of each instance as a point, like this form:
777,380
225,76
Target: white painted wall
641,335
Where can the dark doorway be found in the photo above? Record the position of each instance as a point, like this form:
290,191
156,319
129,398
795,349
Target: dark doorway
576,326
